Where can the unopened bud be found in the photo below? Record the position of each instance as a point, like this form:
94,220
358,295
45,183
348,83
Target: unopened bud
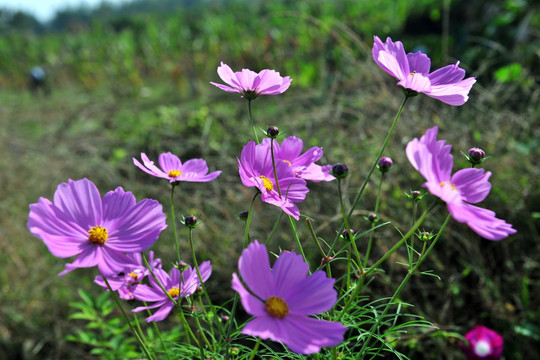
340,171
243,215
190,221
372,217
476,156
272,132
384,164
346,234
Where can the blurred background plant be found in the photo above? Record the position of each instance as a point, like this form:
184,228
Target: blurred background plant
134,78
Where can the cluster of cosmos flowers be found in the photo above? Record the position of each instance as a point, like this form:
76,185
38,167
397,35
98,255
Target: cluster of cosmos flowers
112,232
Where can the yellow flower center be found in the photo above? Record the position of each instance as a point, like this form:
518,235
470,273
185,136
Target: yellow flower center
288,162
133,275
448,182
277,307
173,292
174,173
267,183
98,235
412,73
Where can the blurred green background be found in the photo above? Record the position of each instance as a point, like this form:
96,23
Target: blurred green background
131,79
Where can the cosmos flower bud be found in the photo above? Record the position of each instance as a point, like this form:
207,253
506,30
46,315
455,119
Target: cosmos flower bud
346,234
385,163
372,217
425,236
243,215
190,221
476,156
340,171
272,132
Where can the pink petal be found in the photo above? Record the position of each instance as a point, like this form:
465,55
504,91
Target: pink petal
472,183
312,295
254,268
391,57
81,200
419,62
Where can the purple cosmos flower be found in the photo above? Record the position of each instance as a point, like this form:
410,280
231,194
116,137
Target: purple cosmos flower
172,169
250,84
99,231
132,274
484,344
446,84
282,299
256,170
467,186
178,285
302,165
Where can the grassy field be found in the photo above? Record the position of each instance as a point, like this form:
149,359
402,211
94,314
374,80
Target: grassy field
80,131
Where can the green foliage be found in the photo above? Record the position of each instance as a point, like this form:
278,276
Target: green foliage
106,333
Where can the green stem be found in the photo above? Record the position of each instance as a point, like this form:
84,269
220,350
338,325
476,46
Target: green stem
371,235
274,165
135,333
381,151
380,261
156,329
248,220
295,233
174,224
410,273
274,228
252,123
351,235
203,286
255,348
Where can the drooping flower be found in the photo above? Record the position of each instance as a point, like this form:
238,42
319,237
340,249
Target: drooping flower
431,157
302,165
256,170
283,299
251,84
177,284
447,84
484,344
172,169
99,231
132,274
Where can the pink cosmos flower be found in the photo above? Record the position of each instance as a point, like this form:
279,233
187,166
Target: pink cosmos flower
283,298
132,274
484,344
250,84
172,169
178,285
99,231
446,84
431,157
302,165
256,170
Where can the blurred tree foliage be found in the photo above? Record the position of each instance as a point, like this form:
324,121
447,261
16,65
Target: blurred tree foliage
182,40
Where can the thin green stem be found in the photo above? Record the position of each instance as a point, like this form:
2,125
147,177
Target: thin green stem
374,267
248,220
374,165
255,349
410,273
156,329
351,235
318,244
196,264
135,333
174,224
371,235
274,165
295,233
252,123
274,228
